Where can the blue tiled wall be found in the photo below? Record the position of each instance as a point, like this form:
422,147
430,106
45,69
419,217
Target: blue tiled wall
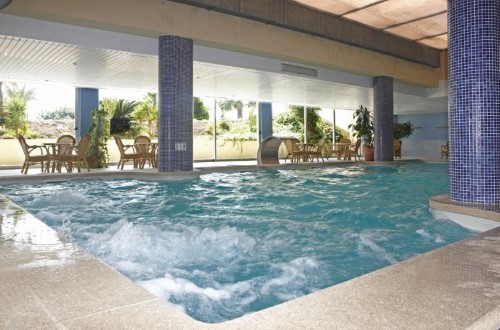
175,92
383,102
474,100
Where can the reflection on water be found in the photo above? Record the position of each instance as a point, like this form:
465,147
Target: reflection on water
223,245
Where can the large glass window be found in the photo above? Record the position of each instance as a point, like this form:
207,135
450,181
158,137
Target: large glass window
224,129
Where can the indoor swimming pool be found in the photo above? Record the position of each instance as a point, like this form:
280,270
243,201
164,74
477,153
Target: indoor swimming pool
226,244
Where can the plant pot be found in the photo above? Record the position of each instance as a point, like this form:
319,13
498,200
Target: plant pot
369,153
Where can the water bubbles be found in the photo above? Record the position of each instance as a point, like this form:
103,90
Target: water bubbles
226,244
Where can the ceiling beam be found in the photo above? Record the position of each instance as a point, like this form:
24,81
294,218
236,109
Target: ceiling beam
363,7
414,20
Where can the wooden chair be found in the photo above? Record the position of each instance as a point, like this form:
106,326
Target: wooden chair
146,149
127,153
354,150
34,155
289,150
298,152
343,148
76,155
66,144
317,150
445,150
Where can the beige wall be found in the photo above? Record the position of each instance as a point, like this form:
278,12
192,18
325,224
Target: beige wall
209,28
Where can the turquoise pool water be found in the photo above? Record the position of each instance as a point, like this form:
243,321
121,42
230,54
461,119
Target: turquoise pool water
223,245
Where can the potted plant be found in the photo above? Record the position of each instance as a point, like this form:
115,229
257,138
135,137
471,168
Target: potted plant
97,153
363,129
402,130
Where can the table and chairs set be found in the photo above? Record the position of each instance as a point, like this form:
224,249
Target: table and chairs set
141,152
52,156
307,152
66,153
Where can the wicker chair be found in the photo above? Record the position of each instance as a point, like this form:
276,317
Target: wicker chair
76,155
355,152
317,150
66,144
127,153
34,155
343,149
144,146
445,148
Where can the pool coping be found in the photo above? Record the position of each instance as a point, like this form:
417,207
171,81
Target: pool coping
475,217
46,281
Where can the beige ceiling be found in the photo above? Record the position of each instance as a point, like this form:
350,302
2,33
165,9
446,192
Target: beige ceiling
103,59
424,21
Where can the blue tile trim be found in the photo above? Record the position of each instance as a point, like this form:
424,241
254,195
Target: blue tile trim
474,100
175,100
383,102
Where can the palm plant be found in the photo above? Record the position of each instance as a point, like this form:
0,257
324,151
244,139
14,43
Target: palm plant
15,109
238,105
120,121
224,105
147,112
15,115
21,93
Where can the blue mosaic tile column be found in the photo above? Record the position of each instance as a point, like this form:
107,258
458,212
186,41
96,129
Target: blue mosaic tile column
175,92
383,118
474,100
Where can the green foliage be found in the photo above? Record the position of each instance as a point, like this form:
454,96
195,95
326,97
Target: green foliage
238,140
200,111
121,119
14,111
403,130
14,91
97,154
224,105
252,121
11,134
317,127
146,113
223,126
65,112
363,125
15,115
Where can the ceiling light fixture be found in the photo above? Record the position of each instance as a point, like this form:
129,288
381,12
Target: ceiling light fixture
4,3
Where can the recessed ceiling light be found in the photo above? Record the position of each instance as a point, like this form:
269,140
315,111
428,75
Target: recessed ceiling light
4,3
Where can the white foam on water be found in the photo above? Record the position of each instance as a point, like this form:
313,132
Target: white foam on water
438,238
60,198
368,241
293,274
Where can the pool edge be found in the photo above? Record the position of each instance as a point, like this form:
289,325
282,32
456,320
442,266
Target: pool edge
391,297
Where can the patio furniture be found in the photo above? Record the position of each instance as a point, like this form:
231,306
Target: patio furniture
76,155
147,149
354,150
444,150
316,150
127,153
31,157
343,149
65,145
